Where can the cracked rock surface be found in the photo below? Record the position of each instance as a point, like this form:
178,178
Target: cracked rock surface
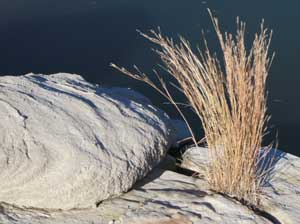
162,197
66,143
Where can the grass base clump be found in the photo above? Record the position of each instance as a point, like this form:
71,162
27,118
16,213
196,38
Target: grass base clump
229,99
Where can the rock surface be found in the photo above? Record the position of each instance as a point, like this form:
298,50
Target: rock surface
163,197
66,143
282,195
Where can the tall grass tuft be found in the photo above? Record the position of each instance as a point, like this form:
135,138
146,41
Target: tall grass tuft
229,99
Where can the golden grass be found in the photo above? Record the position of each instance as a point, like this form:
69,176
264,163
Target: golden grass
230,101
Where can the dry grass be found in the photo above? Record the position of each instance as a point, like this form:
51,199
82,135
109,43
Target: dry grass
230,102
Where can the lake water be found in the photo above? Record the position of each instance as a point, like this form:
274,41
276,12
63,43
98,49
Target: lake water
83,37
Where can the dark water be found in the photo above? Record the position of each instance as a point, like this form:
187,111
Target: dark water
83,36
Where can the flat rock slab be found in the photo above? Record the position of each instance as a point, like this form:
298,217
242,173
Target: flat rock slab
66,143
282,195
163,197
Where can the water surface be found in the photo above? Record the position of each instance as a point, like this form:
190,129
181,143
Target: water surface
82,36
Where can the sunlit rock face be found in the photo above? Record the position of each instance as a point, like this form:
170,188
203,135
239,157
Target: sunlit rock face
66,143
281,195
162,197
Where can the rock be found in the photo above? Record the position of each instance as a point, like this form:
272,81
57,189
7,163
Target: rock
195,159
282,195
66,143
162,197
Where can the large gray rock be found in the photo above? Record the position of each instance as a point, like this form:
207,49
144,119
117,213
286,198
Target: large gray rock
281,198
283,193
162,197
66,143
